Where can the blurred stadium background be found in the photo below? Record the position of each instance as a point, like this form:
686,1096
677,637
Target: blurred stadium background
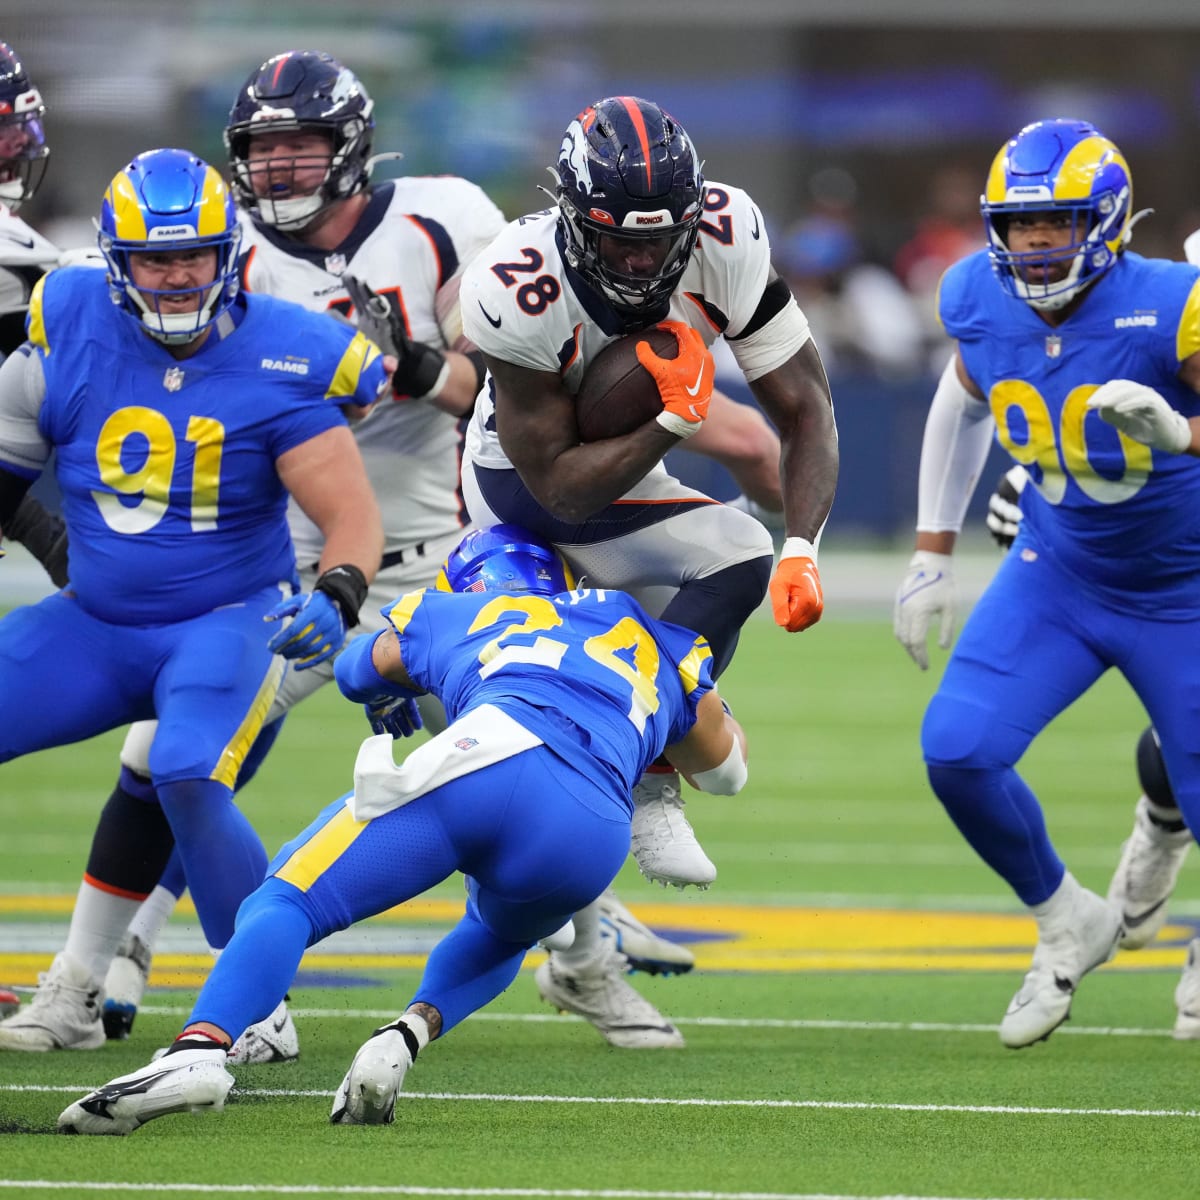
863,128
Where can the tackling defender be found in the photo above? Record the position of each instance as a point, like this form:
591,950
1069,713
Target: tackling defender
519,793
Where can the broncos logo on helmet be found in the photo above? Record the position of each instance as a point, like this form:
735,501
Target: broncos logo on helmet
23,149
1067,167
169,200
301,91
628,177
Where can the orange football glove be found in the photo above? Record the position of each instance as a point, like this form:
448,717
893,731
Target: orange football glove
796,597
685,382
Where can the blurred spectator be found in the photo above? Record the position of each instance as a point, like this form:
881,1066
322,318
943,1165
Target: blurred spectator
862,319
951,229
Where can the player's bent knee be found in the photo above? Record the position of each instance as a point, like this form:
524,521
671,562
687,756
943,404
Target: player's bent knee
957,733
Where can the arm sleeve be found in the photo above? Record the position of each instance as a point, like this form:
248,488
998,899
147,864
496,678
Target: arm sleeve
958,435
24,448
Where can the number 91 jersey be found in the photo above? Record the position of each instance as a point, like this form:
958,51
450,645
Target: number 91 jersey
521,302
588,672
1110,509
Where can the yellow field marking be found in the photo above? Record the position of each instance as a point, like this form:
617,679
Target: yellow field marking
724,938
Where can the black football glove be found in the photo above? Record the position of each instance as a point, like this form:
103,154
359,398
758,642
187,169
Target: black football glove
1004,506
421,370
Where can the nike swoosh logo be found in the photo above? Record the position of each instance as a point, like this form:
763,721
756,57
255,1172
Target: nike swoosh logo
695,390
755,233
494,322
27,243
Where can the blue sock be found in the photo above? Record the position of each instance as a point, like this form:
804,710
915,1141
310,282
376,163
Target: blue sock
222,855
467,969
257,967
1002,820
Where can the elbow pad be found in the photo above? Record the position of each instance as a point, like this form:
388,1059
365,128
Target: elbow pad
726,780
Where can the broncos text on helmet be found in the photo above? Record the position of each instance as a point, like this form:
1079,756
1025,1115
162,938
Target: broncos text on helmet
23,149
628,176
301,91
1065,167
167,200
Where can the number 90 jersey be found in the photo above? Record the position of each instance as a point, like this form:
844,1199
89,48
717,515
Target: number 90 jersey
522,304
588,672
1111,510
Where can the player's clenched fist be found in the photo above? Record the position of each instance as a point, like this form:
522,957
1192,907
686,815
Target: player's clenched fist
796,597
685,382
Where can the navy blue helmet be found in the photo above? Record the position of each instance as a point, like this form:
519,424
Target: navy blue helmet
23,149
302,91
627,172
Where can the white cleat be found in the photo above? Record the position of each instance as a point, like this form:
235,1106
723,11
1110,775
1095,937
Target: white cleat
368,1093
1145,876
643,949
186,1081
273,1039
1187,997
64,1013
1077,940
602,997
124,986
662,841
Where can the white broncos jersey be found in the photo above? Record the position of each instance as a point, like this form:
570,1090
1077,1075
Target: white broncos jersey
25,256
518,303
413,240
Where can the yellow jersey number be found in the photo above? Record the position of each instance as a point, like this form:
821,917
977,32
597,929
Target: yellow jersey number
152,480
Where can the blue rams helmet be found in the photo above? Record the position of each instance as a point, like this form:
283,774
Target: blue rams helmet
23,149
169,200
301,91
505,558
627,170
1066,167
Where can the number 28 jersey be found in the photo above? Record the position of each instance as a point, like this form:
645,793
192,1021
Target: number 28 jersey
521,302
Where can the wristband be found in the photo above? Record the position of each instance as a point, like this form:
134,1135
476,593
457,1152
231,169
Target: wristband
681,427
346,586
798,547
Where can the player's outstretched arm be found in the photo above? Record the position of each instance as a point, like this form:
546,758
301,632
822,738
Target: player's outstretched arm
370,672
712,757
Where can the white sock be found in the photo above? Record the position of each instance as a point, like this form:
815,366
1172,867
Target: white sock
97,925
152,915
588,948
419,1028
1056,908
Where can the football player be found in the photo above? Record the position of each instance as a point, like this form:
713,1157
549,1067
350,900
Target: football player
179,424
527,792
1085,360
638,238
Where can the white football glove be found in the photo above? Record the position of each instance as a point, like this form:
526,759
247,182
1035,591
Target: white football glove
1004,506
1142,414
927,591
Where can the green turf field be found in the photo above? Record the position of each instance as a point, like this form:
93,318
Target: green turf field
853,962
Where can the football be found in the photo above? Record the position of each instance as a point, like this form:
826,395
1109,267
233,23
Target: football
617,393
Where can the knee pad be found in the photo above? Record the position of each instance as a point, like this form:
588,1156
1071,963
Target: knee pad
961,733
1152,773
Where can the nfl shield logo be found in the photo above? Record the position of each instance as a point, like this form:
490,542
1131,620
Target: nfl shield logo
173,379
1053,346
466,743
335,264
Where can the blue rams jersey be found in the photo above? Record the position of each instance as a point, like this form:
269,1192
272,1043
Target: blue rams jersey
588,671
167,467
1123,518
